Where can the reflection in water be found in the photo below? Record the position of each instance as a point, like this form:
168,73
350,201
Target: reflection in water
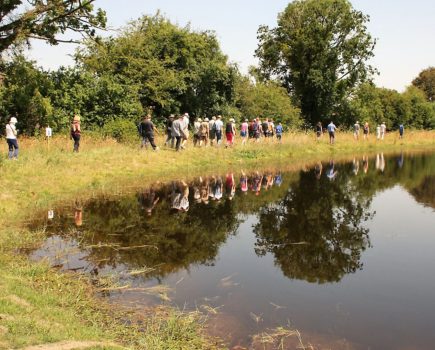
313,225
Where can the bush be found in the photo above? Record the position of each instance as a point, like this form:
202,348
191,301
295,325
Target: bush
121,130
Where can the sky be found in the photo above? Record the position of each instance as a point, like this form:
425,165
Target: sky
404,29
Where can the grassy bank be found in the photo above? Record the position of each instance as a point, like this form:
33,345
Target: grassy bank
39,305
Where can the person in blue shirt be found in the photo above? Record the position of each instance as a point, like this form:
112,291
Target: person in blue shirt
331,131
401,130
278,132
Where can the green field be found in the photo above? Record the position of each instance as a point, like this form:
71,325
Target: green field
39,305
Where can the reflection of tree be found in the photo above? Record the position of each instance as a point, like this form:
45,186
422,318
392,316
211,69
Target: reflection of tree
315,232
425,192
175,240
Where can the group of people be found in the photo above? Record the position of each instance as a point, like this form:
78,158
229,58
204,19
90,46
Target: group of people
380,131
212,131
207,132
207,189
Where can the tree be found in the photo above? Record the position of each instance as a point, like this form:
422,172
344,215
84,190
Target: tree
426,82
318,52
177,69
35,19
265,99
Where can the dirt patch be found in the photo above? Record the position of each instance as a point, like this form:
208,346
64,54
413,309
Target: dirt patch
71,345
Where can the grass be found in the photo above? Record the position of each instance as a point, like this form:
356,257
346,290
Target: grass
39,305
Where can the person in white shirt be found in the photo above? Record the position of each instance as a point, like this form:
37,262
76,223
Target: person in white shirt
218,126
383,130
11,138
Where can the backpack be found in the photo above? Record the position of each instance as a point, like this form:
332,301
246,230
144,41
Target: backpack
229,128
139,128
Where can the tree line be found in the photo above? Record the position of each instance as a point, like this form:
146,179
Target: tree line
312,67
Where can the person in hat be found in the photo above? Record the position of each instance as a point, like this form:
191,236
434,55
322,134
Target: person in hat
218,126
177,131
11,138
185,125
230,132
196,127
75,132
204,132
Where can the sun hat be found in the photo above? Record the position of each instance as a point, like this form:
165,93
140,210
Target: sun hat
13,120
232,120
206,120
200,120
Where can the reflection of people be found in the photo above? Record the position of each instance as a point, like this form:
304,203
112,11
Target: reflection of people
331,173
148,199
244,183
11,138
256,183
78,214
218,189
278,179
230,185
180,196
318,170
380,162
400,160
204,190
365,163
355,166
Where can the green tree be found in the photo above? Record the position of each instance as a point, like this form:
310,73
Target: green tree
176,69
265,99
426,82
34,19
318,52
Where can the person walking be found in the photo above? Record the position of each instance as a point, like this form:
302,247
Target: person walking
244,131
218,126
185,124
76,132
196,127
356,129
366,131
147,132
11,138
331,131
278,131
319,130
170,140
212,130
383,130
204,132
378,132
230,132
177,131
401,130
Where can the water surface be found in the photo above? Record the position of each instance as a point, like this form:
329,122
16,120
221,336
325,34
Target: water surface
342,252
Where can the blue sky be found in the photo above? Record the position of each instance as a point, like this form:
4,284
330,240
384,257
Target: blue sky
405,30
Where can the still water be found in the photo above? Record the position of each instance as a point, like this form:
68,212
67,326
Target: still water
344,253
